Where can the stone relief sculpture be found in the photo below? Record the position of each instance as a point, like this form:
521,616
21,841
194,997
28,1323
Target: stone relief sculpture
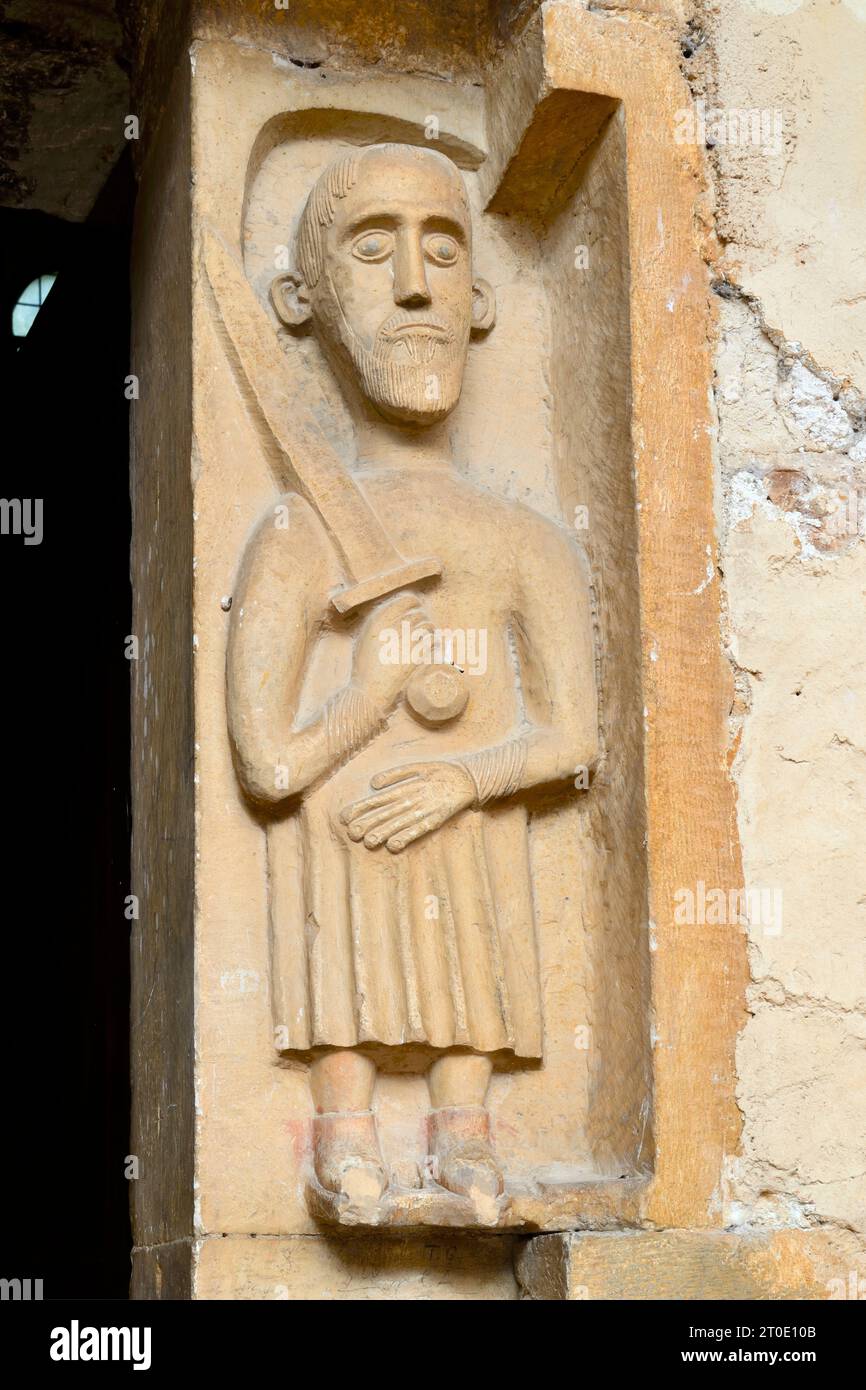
410,656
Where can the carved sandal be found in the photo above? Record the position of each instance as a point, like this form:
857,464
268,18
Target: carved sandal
462,1154
347,1157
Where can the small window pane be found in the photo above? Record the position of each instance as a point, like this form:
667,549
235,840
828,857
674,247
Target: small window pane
29,304
22,319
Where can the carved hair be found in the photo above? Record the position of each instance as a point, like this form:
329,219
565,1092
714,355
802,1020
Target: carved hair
319,212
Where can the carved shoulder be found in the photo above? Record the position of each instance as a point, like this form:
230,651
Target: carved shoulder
288,546
545,550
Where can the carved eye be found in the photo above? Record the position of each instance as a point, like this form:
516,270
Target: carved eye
372,246
441,249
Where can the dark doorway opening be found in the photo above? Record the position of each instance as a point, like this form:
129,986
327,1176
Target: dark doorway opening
64,713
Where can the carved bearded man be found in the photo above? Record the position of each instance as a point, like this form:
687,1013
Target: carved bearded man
399,866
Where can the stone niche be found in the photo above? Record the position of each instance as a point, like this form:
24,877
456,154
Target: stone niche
544,418
588,402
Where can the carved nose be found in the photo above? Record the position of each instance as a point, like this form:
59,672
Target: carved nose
411,290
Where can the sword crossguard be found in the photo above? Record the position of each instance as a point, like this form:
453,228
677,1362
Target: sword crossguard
379,585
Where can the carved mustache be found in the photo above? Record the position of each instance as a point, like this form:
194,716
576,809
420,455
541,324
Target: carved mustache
417,331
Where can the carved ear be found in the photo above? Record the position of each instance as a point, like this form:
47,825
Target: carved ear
483,306
291,299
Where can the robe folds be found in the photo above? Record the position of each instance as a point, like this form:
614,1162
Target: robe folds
433,946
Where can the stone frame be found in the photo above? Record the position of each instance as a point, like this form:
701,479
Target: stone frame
698,975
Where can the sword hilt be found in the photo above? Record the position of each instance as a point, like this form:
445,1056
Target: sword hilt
434,694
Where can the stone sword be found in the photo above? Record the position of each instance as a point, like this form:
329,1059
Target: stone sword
311,468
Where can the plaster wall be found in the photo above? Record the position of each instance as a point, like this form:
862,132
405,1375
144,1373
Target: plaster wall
790,374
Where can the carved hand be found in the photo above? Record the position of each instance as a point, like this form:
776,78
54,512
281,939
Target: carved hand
382,682
408,802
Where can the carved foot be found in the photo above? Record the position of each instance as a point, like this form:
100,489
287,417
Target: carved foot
348,1161
462,1157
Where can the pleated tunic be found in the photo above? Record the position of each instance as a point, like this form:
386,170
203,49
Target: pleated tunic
436,945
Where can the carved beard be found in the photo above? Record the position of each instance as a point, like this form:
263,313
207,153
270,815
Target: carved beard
412,373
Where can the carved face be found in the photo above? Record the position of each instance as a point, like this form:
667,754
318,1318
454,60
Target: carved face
394,298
